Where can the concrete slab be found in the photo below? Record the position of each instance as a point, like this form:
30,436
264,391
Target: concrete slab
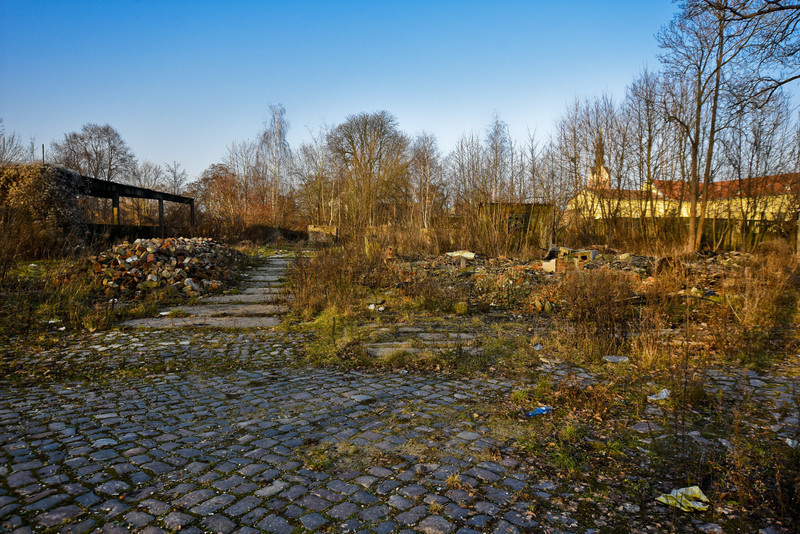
263,278
241,310
262,290
378,350
243,299
204,322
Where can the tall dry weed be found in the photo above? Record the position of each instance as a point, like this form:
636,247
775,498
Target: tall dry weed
758,306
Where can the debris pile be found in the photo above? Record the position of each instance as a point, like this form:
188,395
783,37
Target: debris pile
529,287
487,283
193,266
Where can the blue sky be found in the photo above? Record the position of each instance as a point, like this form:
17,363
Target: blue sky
182,80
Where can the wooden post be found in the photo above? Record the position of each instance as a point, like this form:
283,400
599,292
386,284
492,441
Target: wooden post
797,234
115,209
161,214
191,213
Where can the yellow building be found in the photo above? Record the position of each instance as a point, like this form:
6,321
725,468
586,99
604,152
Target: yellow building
764,198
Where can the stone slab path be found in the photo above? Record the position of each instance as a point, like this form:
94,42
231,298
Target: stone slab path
254,307
394,338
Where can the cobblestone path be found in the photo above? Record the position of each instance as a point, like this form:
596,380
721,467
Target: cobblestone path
173,425
259,446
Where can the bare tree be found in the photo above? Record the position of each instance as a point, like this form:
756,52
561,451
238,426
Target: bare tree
369,152
174,178
275,155
317,190
498,154
241,162
150,176
96,151
426,172
773,56
147,174
11,148
701,46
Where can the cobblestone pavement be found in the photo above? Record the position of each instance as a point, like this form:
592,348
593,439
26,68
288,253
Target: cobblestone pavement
210,430
261,446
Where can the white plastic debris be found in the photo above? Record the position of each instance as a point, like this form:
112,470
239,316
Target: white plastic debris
661,395
467,255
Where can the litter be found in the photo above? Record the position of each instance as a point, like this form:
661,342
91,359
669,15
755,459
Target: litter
616,359
661,395
793,443
467,255
687,499
542,410
538,346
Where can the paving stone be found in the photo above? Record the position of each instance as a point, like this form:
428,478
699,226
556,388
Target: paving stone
435,524
275,524
177,520
400,503
523,521
46,503
212,505
243,506
194,498
386,527
387,486
314,503
138,519
294,492
218,524
362,497
504,527
375,513
342,487
59,515
313,521
412,516
343,510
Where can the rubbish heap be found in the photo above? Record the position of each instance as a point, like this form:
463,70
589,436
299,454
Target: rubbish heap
194,266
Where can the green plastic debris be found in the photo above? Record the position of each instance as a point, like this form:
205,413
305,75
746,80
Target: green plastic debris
687,499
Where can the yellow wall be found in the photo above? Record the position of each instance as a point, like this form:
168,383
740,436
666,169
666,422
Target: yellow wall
592,206
768,208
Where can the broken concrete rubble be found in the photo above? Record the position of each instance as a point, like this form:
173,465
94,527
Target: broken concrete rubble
194,266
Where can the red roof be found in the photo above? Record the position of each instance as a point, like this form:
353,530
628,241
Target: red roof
776,184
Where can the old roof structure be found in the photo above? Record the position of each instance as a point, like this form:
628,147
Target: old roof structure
757,186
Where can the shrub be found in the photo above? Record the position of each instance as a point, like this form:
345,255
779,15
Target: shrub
39,213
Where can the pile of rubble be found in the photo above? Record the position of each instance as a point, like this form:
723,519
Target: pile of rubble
193,266
534,286
486,283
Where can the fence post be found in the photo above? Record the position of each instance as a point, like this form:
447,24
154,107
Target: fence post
797,234
115,208
161,215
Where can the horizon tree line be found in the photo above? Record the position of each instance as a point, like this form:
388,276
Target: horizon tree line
717,110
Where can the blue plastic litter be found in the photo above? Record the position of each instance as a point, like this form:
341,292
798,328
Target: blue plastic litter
544,410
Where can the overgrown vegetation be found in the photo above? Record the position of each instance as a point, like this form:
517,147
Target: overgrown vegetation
684,322
39,215
41,300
